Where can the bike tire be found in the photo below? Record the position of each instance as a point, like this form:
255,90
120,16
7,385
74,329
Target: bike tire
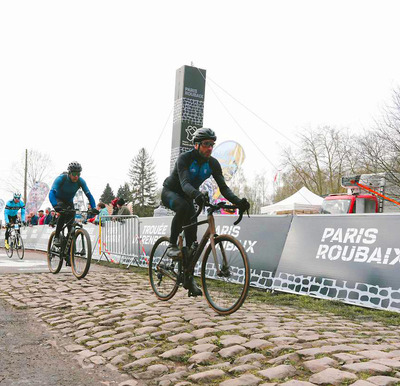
163,271
19,246
81,253
227,293
54,260
10,250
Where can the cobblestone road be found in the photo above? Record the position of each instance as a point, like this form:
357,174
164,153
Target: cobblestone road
114,320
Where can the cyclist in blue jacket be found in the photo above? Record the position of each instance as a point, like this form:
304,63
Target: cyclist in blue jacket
10,215
62,195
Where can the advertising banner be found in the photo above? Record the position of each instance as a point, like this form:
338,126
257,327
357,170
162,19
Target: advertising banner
262,237
36,197
354,258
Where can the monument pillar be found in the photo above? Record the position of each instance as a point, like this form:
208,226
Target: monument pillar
190,85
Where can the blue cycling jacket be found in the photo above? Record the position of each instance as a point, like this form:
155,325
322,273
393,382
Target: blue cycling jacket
64,190
12,209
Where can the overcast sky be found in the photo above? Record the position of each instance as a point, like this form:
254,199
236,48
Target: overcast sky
93,81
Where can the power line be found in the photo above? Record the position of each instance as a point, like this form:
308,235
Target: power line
245,133
162,132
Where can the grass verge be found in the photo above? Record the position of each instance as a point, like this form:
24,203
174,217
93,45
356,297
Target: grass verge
301,302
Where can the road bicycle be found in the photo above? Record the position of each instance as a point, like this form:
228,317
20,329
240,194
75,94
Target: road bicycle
75,248
224,269
15,241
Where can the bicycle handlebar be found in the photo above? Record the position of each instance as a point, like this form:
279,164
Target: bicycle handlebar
213,208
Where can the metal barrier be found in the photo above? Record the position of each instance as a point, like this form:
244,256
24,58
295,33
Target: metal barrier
119,236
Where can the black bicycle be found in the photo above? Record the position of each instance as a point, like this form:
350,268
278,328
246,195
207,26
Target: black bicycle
15,241
75,248
225,270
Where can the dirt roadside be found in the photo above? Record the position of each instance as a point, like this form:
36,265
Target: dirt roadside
30,354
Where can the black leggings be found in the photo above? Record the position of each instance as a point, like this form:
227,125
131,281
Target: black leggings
65,218
184,210
11,220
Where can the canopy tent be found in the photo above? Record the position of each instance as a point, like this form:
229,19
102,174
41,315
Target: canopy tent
303,201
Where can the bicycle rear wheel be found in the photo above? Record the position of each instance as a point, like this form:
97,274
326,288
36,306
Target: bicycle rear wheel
225,281
10,249
19,246
163,271
81,253
54,260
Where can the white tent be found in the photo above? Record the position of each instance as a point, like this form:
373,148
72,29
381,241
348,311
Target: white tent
303,201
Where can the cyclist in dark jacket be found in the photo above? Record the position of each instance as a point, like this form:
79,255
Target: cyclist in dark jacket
181,188
62,195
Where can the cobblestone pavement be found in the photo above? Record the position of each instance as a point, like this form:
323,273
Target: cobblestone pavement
114,320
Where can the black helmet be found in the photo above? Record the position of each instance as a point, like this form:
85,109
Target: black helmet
74,167
202,134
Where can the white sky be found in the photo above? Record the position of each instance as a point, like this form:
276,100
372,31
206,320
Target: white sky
93,81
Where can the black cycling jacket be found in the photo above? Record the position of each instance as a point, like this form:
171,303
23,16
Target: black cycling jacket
191,170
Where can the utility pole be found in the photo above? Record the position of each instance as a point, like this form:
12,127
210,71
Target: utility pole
26,175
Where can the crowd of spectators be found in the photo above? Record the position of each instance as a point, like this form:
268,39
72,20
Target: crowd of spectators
47,217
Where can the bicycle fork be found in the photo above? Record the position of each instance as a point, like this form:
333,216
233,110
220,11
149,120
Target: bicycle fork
224,270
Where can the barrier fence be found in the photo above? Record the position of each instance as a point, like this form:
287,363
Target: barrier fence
117,238
352,258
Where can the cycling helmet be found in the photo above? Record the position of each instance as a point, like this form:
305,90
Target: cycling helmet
202,134
74,167
17,195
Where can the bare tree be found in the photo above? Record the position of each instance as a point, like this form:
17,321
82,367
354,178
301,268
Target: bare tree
324,155
40,168
380,146
256,191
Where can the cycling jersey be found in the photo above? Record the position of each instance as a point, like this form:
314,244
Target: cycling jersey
191,170
12,208
64,190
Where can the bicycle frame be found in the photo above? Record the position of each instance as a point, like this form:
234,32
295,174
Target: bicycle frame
208,235
14,230
65,250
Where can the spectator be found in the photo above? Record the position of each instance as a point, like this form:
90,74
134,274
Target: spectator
54,218
103,214
28,219
90,215
114,204
51,218
34,218
41,217
47,216
123,210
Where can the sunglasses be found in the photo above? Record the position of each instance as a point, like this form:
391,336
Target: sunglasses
76,174
207,144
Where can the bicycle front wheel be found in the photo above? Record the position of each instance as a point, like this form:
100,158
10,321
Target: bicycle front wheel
163,271
81,253
225,278
54,260
10,248
19,246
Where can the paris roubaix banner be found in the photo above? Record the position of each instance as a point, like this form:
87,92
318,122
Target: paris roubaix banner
352,258
262,237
